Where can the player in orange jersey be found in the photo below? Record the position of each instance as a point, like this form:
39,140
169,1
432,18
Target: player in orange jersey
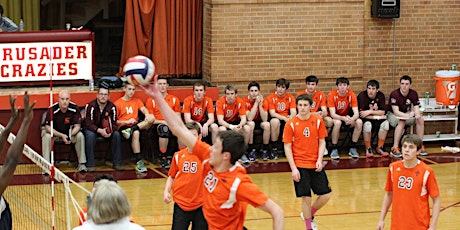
228,189
186,172
199,107
409,184
343,107
304,145
231,114
257,114
174,102
128,123
281,107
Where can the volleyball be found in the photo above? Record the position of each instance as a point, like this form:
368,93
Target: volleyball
139,70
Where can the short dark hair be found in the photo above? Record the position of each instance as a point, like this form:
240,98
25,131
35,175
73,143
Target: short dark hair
373,83
1,10
342,80
231,87
311,78
232,142
413,139
199,83
304,97
104,177
253,83
163,77
192,125
406,77
283,82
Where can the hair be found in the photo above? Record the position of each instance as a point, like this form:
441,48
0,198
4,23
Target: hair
193,126
99,90
373,83
163,77
342,80
1,10
104,177
283,82
109,203
304,97
232,142
252,84
413,139
231,88
406,77
199,83
311,78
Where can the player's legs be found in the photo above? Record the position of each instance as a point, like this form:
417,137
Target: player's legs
79,141
367,133
115,144
181,219
419,127
266,132
398,132
214,128
90,143
198,220
328,121
251,125
336,131
274,129
46,141
358,126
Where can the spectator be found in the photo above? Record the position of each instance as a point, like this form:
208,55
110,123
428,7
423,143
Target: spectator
371,105
343,107
66,126
231,115
304,145
281,107
101,120
173,101
13,155
109,208
186,171
128,108
409,184
6,25
199,107
404,111
223,176
257,115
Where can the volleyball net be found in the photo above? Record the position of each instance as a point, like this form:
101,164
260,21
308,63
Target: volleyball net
40,201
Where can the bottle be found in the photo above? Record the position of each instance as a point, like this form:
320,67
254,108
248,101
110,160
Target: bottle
91,84
21,25
454,67
450,149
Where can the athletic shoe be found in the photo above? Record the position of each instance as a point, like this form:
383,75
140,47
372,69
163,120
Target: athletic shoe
118,167
164,163
381,152
265,156
313,223
369,153
244,159
395,152
353,153
423,152
274,154
126,133
140,166
91,169
252,155
335,154
82,168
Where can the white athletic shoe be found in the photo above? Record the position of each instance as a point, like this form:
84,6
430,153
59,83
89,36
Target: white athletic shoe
313,223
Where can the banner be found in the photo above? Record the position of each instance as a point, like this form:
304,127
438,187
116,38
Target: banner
45,60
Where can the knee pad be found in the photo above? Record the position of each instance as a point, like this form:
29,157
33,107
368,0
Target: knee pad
385,126
367,127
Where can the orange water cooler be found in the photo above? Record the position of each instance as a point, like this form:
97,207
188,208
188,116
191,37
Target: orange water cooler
447,83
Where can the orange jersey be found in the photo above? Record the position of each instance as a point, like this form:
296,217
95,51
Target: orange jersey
304,136
343,104
172,101
186,169
226,194
411,188
198,110
250,104
128,109
231,112
319,99
281,105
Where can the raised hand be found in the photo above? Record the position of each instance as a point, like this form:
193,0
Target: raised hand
14,110
28,108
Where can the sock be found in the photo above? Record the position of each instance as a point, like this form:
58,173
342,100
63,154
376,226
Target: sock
367,144
308,223
353,144
380,143
265,147
334,146
313,211
134,128
138,156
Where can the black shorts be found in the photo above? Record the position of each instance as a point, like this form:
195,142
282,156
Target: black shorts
6,221
182,219
258,125
310,180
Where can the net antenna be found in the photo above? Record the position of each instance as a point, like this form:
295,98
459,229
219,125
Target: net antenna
27,214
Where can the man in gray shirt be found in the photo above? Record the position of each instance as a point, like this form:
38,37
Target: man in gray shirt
6,25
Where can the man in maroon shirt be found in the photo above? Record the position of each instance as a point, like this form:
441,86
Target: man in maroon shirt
404,111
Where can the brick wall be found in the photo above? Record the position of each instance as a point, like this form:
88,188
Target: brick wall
264,40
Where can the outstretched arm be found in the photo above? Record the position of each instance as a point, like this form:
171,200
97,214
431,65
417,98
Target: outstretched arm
13,119
15,151
174,122
276,212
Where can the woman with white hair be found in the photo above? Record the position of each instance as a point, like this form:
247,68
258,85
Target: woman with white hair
109,209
